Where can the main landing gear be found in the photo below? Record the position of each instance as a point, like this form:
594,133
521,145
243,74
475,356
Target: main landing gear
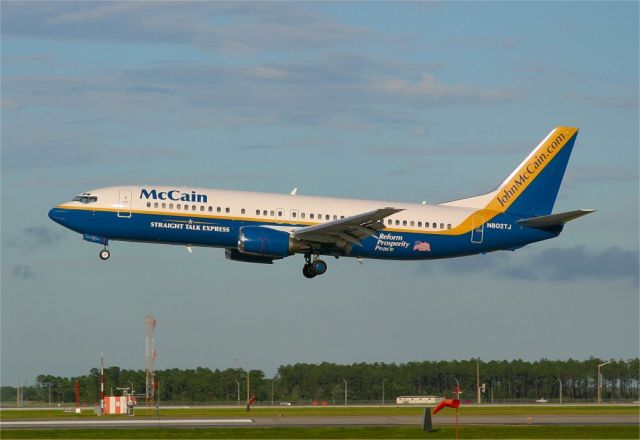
313,268
105,254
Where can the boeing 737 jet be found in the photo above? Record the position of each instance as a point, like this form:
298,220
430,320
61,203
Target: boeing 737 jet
259,227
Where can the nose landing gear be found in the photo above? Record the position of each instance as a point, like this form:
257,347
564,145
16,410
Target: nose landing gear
313,268
105,254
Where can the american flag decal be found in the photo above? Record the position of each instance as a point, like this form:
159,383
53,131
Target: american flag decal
421,246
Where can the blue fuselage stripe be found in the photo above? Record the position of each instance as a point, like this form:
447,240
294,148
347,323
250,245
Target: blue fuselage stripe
503,232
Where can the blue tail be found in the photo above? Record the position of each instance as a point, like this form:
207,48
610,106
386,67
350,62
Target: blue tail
531,189
540,195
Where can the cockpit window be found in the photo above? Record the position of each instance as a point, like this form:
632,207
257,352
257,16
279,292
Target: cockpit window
85,199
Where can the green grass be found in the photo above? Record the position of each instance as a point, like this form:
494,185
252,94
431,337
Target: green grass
333,411
466,432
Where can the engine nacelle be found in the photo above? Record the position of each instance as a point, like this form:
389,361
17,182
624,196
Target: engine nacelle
235,255
265,242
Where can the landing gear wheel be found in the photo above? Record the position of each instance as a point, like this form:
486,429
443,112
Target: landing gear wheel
105,254
307,271
319,267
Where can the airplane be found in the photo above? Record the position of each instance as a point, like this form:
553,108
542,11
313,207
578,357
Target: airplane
257,227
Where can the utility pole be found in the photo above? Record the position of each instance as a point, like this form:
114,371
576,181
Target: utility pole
383,381
48,384
272,381
248,390
599,397
345,391
560,382
492,391
238,383
478,399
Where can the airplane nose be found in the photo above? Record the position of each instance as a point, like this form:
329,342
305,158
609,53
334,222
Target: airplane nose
57,215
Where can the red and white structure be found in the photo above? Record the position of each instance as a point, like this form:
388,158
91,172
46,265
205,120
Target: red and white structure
116,404
150,357
101,384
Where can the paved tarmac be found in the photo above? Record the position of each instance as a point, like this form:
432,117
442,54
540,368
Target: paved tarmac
134,422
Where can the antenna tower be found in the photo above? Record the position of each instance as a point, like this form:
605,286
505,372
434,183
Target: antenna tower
150,357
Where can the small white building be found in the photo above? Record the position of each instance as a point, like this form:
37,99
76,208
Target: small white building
418,400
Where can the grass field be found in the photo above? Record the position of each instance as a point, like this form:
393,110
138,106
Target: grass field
466,432
333,411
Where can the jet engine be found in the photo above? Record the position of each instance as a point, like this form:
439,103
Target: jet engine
265,242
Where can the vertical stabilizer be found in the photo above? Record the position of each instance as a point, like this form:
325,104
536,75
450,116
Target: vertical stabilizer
531,189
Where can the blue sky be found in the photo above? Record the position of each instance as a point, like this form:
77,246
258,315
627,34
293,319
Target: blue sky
390,101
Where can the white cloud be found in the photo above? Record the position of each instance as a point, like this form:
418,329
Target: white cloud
227,27
428,88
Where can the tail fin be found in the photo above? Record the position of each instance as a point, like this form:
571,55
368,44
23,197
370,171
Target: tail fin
531,189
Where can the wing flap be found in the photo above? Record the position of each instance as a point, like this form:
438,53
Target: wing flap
350,230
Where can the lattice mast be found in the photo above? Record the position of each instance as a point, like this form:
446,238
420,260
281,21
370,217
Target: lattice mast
150,357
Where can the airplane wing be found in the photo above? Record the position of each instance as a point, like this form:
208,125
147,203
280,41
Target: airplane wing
347,231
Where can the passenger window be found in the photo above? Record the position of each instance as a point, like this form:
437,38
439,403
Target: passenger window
164,205
441,225
397,222
404,223
311,215
264,212
257,212
219,209
279,213
434,225
342,216
178,206
155,205
319,216
327,217
242,211
210,208
389,222
170,205
449,226
302,215
148,204
294,215
419,224
201,208
412,223
193,207
335,217
272,213
227,210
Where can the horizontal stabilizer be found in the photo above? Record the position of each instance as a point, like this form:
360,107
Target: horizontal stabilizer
546,221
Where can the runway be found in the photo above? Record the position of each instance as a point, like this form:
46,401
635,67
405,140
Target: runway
127,422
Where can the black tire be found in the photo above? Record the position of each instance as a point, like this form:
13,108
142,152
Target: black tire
319,267
104,254
307,271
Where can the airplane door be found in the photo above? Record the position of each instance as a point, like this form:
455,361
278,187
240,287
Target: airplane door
124,203
478,229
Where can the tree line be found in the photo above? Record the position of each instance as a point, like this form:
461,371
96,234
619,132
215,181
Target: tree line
503,381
